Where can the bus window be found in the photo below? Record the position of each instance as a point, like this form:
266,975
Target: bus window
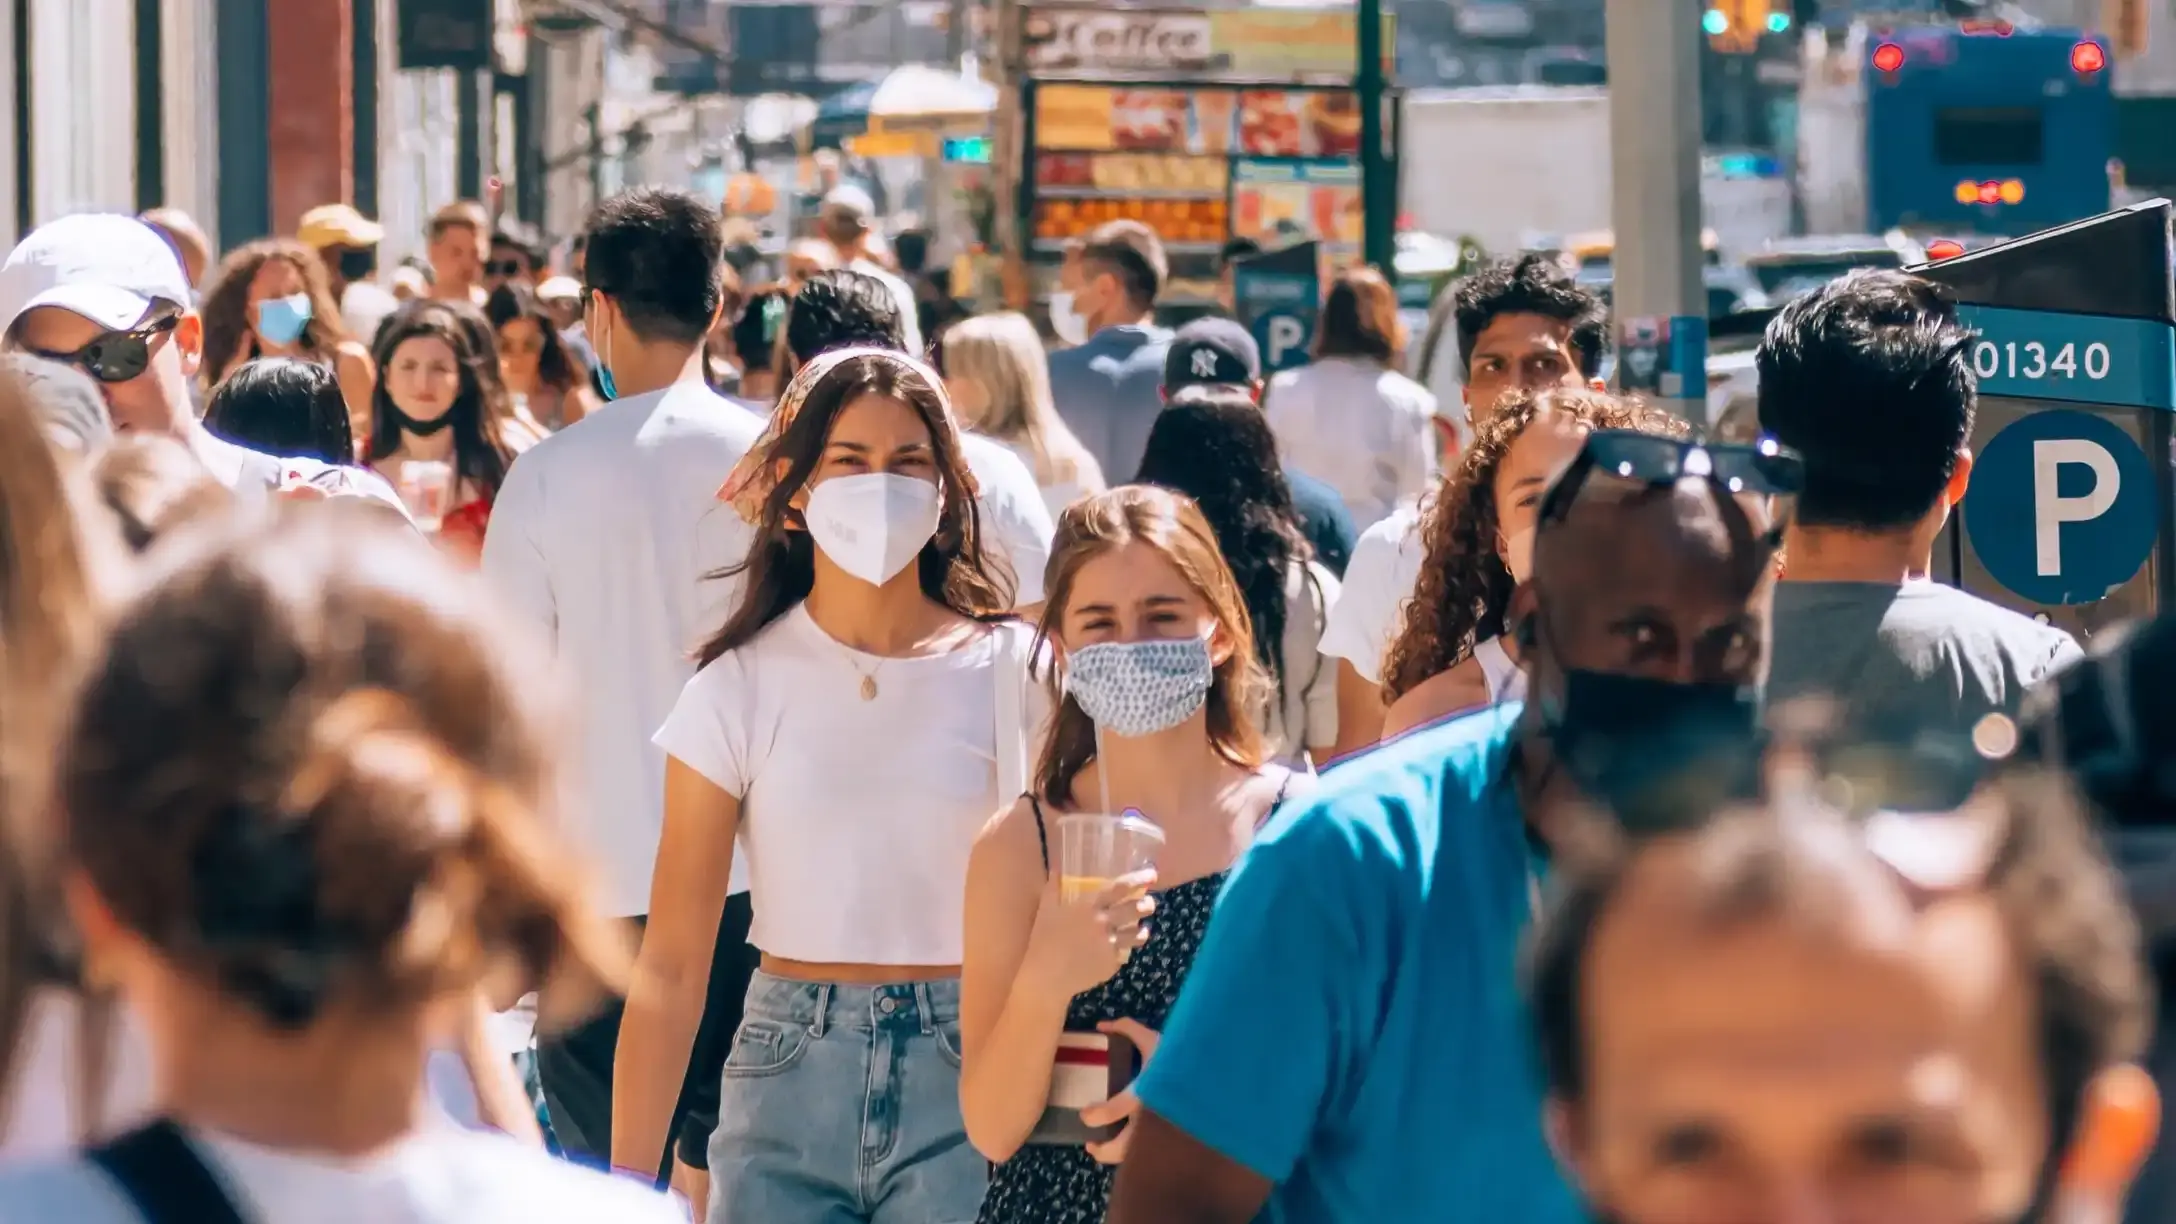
1988,135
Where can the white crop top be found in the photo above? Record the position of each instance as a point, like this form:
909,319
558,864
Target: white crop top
856,816
1506,682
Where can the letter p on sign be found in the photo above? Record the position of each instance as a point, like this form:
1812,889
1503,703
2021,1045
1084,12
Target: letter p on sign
2051,509
1285,334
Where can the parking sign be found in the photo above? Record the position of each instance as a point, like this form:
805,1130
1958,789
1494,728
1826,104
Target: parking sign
2061,507
1279,296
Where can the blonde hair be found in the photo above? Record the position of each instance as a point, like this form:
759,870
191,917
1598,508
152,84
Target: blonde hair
1004,354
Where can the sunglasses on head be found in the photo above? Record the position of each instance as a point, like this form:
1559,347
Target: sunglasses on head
1762,468
118,356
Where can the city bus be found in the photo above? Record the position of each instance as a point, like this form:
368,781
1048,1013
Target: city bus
1978,128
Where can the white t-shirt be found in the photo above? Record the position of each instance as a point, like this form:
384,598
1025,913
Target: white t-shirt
254,474
603,534
1016,523
1057,495
910,320
1364,430
1379,582
1307,715
437,1176
856,816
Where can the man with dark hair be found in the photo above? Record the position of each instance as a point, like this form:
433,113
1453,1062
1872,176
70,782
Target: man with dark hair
847,309
1870,378
606,535
1349,1048
1798,1014
1109,388
1214,356
516,255
1523,324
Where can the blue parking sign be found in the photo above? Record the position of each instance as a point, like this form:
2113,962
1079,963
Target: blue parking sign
2061,508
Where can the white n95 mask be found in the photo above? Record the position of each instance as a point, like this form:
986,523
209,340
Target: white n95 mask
873,526
1066,321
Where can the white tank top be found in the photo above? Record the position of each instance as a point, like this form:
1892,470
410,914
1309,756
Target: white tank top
1504,679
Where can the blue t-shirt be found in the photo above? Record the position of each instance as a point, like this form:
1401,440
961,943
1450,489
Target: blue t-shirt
1353,1028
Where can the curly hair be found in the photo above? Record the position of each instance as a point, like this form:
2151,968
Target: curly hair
1464,586
226,314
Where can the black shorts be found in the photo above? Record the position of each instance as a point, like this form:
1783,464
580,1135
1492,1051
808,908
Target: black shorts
730,969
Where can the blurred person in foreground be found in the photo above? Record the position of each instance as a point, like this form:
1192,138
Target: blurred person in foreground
283,407
1525,325
306,801
847,221
1108,386
65,401
845,309
1870,378
1350,1046
1209,357
1796,1014
603,535
2110,724
347,241
1364,427
271,299
105,294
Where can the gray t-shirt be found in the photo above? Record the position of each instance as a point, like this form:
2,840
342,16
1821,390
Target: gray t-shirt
1921,655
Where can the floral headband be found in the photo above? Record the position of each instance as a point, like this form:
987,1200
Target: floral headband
755,477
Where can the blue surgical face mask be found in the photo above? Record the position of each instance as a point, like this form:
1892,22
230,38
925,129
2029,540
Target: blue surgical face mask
281,320
1140,688
606,386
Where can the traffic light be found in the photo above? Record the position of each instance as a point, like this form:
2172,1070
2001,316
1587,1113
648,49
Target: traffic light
1735,27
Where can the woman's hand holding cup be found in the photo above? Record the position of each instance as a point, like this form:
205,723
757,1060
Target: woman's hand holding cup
1084,931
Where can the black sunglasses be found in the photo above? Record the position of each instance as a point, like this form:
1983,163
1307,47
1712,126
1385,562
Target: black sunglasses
1764,467
505,267
117,357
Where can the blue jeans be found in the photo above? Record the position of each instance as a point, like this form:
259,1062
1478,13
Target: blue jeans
841,1104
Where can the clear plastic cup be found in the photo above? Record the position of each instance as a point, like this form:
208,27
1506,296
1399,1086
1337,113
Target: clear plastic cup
1095,849
425,485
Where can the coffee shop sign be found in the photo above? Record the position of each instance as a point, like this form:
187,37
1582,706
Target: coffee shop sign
1100,40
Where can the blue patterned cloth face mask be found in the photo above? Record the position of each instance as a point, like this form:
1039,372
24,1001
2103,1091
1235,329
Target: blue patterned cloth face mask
1140,688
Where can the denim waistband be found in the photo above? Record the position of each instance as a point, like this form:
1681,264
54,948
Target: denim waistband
823,1005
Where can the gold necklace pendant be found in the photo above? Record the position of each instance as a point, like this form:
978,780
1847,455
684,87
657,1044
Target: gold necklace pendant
868,688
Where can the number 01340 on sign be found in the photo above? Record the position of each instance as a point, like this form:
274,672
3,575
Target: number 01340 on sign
2085,359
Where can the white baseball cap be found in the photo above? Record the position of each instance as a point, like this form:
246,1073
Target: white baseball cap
106,267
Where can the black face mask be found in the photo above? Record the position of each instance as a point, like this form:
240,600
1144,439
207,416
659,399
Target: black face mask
421,429
358,264
1659,754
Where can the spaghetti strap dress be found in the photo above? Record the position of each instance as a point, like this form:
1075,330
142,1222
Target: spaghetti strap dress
1052,1184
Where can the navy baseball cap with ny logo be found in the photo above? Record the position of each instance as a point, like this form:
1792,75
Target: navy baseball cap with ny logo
1212,353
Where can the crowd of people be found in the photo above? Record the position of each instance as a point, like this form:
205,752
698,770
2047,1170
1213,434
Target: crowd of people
600,744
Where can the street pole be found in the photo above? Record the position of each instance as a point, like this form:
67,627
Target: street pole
1659,296
1378,185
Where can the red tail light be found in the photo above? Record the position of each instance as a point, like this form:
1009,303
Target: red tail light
1889,57
1944,248
2088,57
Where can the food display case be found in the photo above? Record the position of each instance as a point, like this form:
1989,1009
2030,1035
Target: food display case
1203,125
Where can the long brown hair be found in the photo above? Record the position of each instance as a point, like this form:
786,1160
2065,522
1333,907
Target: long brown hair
480,450
953,567
313,771
58,564
1464,587
1171,524
226,304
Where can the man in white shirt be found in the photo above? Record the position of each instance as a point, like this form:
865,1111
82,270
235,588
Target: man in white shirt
1523,325
847,221
107,295
605,534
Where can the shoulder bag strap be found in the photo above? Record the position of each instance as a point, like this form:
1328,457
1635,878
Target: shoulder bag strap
165,1178
1012,730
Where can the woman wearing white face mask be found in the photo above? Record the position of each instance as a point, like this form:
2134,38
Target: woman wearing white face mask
1158,681
1453,654
853,727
